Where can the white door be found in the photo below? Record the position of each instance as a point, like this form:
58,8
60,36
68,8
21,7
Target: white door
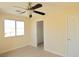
73,36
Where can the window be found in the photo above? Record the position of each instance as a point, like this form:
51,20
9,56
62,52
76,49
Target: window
13,28
9,28
19,28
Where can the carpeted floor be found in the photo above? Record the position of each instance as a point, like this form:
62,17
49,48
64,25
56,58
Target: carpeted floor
28,51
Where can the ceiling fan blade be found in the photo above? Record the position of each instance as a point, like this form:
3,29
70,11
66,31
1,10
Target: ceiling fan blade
20,7
38,12
23,12
18,11
36,6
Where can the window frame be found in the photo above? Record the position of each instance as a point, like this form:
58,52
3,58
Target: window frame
15,27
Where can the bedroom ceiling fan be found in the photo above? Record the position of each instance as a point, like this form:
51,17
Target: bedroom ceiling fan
31,9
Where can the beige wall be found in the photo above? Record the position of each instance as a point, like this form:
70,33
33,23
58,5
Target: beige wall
10,43
55,26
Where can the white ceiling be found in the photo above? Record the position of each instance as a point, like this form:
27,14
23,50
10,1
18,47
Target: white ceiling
8,7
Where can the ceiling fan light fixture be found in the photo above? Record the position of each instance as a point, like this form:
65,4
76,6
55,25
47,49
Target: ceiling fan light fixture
30,16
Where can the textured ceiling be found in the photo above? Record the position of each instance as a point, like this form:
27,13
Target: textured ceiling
8,7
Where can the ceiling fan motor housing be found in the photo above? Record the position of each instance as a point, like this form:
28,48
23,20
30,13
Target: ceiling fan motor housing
30,16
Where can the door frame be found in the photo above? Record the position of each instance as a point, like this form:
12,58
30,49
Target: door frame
35,31
37,26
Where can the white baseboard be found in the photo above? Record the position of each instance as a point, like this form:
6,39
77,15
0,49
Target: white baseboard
12,49
54,52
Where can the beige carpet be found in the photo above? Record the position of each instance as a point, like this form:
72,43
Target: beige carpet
28,51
